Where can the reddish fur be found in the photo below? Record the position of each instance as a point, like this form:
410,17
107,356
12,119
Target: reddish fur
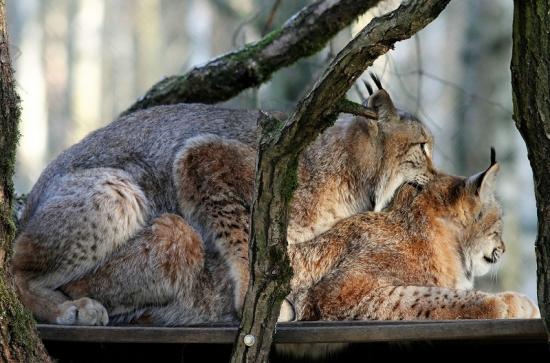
177,245
402,264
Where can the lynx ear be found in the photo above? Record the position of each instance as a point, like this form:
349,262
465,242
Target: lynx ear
368,126
483,184
381,102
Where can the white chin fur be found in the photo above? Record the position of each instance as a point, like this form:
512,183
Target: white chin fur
481,267
385,194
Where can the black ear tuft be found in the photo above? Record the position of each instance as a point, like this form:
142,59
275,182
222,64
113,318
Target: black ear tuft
483,184
369,87
376,80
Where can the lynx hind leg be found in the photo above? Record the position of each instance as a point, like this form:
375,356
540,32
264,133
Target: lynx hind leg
84,217
178,249
215,180
159,264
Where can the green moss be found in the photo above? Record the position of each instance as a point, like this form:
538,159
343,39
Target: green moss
20,322
290,182
270,127
251,52
9,234
9,122
252,49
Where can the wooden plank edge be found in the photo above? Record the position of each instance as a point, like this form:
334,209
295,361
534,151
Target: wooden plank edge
308,332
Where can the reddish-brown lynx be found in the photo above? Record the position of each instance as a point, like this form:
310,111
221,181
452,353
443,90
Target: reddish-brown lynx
415,261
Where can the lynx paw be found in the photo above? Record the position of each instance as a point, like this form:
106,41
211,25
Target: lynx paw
287,312
84,311
519,306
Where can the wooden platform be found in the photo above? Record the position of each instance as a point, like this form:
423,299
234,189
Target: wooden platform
311,332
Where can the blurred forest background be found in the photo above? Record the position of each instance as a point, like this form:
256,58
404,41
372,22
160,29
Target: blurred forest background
79,63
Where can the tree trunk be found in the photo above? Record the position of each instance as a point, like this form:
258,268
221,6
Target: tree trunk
19,341
280,145
530,82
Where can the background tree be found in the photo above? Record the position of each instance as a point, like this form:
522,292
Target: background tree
19,341
531,88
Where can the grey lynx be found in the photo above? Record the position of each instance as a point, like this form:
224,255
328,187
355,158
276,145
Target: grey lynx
97,215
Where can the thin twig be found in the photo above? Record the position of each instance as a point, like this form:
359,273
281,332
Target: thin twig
240,27
419,67
271,17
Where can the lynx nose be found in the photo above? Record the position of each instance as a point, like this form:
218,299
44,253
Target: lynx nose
502,246
497,253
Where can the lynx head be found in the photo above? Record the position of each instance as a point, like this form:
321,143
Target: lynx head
405,147
468,208
484,246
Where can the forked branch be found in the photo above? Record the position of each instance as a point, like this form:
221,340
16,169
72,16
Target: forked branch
280,145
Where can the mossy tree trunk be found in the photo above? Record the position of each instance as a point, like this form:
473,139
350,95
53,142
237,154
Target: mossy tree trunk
19,341
280,145
531,90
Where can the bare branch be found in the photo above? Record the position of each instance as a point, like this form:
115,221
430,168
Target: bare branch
226,76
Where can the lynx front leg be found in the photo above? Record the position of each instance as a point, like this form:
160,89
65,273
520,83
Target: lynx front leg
420,302
356,295
215,180
343,298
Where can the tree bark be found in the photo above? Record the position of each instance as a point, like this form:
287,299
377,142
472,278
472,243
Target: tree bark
531,94
226,76
280,145
19,341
